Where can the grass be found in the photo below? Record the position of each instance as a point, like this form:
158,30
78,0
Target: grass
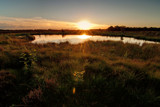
109,73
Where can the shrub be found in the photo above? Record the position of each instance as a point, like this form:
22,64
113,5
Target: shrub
28,59
30,37
33,98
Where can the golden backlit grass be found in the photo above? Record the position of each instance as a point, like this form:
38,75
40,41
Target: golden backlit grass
89,74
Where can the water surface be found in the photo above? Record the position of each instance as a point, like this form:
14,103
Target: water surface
76,39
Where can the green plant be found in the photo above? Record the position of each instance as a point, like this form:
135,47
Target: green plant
28,59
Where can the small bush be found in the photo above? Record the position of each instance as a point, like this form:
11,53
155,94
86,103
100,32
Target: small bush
30,37
33,98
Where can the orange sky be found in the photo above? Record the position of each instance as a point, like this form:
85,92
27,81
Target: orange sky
40,23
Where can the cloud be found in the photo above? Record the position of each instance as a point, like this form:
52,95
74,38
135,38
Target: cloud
38,23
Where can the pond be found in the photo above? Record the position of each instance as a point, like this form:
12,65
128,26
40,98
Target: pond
76,39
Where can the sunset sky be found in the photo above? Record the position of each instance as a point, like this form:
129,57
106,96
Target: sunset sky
65,14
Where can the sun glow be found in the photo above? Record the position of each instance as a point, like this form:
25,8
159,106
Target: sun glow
84,25
84,36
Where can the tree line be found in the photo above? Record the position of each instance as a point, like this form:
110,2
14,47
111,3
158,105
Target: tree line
124,28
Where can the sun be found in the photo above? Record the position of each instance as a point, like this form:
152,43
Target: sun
84,25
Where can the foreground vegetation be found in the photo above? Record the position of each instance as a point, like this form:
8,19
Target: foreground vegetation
109,74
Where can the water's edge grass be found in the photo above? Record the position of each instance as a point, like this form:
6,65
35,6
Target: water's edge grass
109,73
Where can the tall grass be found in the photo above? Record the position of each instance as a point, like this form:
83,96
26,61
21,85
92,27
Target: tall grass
109,74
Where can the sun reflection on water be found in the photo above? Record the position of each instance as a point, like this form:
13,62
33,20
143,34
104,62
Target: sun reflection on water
76,39
84,36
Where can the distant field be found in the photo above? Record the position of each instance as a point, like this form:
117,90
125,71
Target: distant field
109,74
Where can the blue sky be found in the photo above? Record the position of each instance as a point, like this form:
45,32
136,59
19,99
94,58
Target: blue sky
103,12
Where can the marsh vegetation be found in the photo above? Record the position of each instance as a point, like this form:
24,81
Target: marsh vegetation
92,73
